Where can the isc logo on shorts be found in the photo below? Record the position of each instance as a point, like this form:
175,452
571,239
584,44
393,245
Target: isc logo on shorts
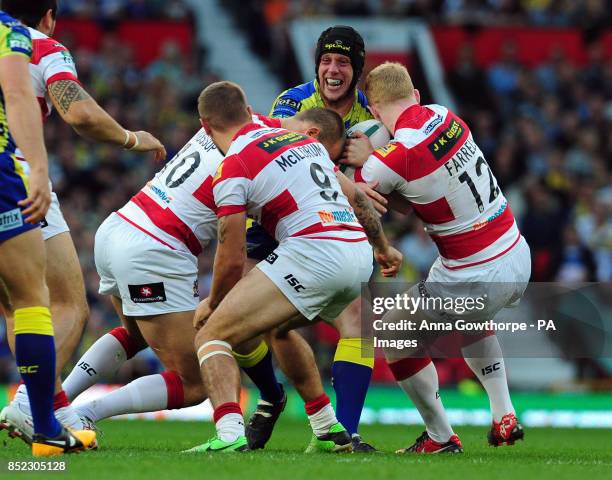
294,282
148,292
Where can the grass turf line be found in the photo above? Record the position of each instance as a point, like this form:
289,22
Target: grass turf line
150,450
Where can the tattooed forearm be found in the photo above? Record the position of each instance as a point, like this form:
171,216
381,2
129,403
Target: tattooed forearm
368,218
65,93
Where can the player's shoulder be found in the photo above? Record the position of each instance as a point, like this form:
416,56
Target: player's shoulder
10,23
300,92
362,100
44,47
264,121
418,123
14,36
292,100
393,151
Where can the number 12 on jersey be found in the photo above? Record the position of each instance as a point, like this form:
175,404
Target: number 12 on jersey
493,188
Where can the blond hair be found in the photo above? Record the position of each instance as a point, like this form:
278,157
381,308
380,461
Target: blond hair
223,105
388,83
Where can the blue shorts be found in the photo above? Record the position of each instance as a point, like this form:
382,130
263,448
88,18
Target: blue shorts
259,243
12,189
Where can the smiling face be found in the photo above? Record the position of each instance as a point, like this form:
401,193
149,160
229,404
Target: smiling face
335,76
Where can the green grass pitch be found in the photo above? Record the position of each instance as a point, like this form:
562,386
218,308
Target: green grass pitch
150,450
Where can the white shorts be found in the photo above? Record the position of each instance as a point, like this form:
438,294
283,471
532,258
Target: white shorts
149,277
319,277
54,223
502,280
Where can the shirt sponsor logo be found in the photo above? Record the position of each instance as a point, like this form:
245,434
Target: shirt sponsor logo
386,150
272,144
218,173
290,103
337,216
159,193
436,121
500,210
66,56
445,142
10,220
148,292
17,41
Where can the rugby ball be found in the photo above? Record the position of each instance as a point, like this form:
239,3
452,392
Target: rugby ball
377,133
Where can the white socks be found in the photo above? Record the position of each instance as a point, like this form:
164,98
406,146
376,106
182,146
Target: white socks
146,394
485,359
422,388
230,426
323,420
103,359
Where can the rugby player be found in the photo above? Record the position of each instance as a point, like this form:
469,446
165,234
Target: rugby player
435,168
145,255
339,60
56,85
316,271
24,201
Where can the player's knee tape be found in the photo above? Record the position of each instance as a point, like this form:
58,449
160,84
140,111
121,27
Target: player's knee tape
253,358
35,320
355,350
212,348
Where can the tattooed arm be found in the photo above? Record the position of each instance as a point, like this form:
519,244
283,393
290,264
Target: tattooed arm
229,257
387,256
91,121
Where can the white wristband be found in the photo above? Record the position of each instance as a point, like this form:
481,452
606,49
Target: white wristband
127,138
135,142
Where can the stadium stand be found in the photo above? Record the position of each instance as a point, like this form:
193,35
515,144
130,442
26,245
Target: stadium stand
542,120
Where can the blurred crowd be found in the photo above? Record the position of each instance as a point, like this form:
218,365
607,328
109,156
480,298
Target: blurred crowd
582,13
544,130
116,10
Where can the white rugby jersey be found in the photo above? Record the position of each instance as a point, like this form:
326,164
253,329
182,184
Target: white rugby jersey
434,163
50,62
287,183
176,207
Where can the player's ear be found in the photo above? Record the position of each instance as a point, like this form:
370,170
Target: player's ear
417,95
205,126
373,111
313,131
250,110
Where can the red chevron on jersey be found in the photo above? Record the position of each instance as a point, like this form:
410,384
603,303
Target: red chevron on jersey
166,220
266,121
43,46
285,181
176,207
435,165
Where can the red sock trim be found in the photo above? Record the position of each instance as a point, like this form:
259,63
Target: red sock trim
317,404
407,367
174,386
60,400
224,409
128,344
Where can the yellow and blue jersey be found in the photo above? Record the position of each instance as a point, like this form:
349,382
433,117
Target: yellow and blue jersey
14,40
287,104
307,96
